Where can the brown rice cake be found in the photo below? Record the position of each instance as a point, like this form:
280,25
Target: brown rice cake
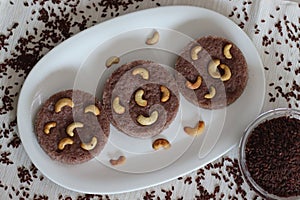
95,125
144,79
226,91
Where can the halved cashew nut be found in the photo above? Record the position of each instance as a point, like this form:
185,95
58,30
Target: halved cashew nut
139,98
161,143
213,68
64,142
92,109
62,103
194,52
142,72
118,108
147,121
154,39
112,60
72,126
165,94
90,145
197,130
227,73
48,126
226,51
119,161
211,94
195,85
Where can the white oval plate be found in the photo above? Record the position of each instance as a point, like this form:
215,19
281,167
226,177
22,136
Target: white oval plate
79,63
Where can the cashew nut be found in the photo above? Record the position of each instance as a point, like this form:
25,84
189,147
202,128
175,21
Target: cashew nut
146,121
195,85
118,108
142,72
63,102
161,143
72,126
195,51
227,73
48,126
211,94
112,60
154,39
139,98
165,94
226,51
197,130
213,68
119,161
91,145
64,142
92,109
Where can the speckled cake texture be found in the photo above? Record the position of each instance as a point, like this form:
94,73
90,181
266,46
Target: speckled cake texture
93,126
188,69
124,85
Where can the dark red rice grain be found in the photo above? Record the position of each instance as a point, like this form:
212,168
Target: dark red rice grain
273,156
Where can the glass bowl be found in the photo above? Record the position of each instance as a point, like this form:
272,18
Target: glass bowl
272,114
